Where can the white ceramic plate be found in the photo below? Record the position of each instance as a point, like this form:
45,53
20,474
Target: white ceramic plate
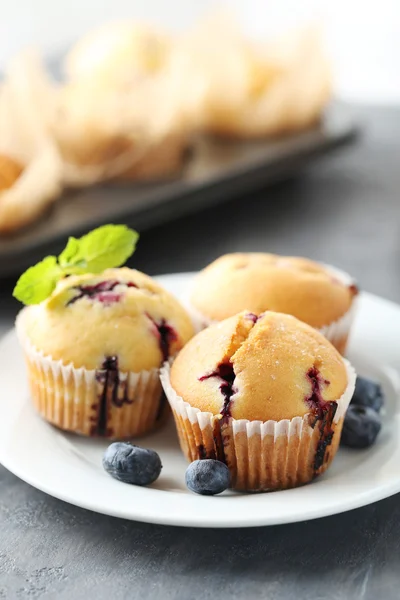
69,467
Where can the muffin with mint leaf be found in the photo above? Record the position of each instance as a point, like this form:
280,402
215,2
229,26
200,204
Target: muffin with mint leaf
94,336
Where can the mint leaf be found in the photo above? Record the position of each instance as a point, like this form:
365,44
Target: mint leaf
106,247
38,282
69,254
103,248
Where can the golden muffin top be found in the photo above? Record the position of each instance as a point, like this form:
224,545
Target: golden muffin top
118,313
258,282
259,368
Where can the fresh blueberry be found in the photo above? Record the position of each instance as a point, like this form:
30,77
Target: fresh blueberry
361,426
207,477
132,464
368,393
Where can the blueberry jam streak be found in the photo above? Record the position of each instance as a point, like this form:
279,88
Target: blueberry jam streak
165,334
354,289
252,317
315,401
225,372
219,452
324,413
202,452
325,438
110,382
102,292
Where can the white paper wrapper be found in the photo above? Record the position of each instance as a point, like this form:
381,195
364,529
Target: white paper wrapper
336,332
105,403
261,456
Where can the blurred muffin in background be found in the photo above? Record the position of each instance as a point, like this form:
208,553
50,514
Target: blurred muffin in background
134,99
91,132
167,110
104,134
128,108
118,53
256,90
30,169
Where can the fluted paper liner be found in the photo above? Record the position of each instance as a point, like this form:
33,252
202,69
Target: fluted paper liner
262,456
336,332
105,403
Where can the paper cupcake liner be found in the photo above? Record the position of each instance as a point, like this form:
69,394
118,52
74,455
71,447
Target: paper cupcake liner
105,402
336,332
262,456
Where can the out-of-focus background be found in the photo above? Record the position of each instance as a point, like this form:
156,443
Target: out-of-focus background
363,36
169,110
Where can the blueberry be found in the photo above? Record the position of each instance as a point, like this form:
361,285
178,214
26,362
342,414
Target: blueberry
361,426
368,393
207,477
132,464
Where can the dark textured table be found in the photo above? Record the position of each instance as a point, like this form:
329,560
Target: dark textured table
344,211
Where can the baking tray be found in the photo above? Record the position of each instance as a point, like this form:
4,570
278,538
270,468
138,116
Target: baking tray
217,170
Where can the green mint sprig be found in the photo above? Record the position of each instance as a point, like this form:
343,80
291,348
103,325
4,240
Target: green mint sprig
103,248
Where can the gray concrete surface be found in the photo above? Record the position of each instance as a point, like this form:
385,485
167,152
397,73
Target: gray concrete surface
344,211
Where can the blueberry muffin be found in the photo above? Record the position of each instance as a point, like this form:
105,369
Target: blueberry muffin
318,295
266,395
94,348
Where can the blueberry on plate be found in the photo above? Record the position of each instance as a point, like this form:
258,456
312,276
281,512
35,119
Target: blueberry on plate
361,426
207,477
368,393
132,464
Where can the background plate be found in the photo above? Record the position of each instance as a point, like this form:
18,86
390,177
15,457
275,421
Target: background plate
69,467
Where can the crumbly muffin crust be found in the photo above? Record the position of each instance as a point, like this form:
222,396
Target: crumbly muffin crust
270,367
119,313
258,282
